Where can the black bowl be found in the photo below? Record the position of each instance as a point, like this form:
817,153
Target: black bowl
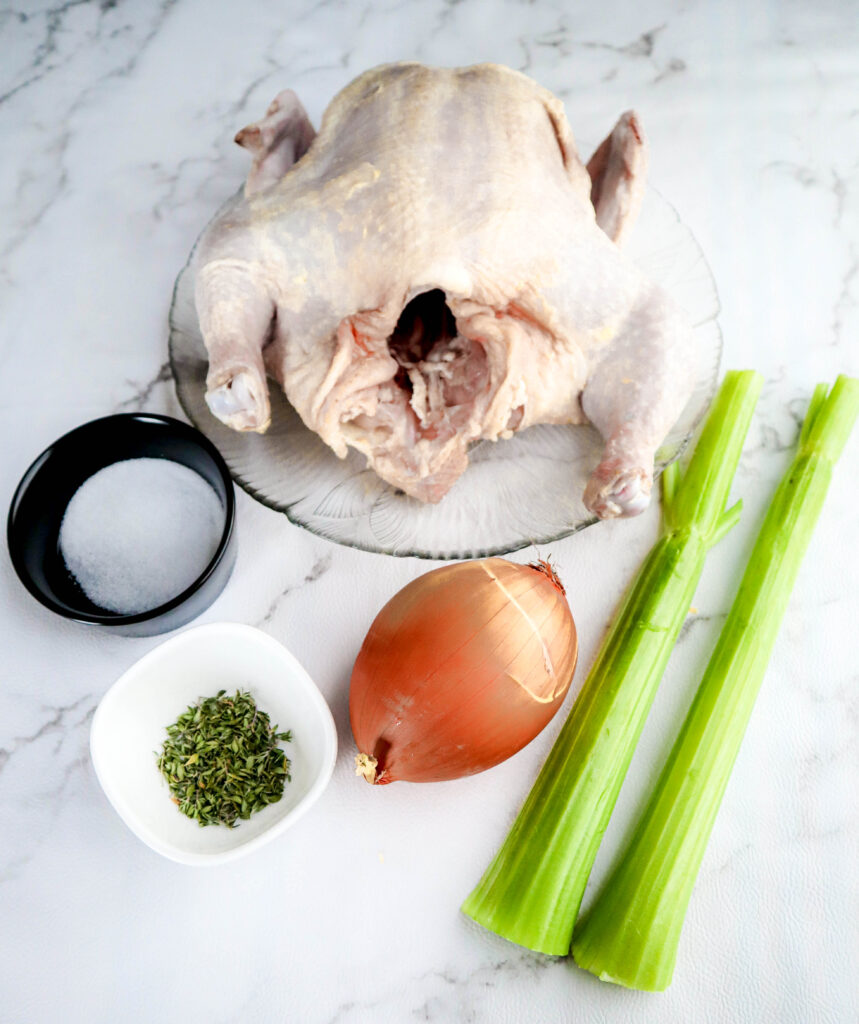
47,487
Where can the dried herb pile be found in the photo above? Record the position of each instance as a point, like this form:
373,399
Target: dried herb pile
222,761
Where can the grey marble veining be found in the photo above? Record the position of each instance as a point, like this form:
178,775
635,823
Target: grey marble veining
116,120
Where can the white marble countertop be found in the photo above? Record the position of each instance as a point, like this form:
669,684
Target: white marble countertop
116,120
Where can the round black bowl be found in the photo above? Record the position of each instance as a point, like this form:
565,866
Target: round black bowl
47,487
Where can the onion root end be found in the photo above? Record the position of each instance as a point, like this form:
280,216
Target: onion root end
366,765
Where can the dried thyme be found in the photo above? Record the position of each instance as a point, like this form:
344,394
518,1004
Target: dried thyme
222,761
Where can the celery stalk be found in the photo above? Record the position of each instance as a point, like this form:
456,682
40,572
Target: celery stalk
630,935
531,891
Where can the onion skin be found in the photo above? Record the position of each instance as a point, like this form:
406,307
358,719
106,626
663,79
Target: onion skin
460,669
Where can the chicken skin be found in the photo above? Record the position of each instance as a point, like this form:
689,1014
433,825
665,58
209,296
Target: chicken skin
435,267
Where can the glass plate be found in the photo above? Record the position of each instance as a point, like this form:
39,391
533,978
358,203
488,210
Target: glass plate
522,491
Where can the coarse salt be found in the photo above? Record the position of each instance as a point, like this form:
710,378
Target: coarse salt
139,532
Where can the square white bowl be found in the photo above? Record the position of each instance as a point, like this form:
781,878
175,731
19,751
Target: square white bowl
130,726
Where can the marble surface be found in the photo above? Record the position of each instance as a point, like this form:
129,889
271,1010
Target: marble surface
116,120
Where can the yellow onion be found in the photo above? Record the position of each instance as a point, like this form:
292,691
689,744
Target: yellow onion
461,669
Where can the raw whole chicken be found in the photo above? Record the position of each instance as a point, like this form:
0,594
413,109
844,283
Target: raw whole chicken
438,266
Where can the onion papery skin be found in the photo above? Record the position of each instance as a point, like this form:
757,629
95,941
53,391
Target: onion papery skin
462,668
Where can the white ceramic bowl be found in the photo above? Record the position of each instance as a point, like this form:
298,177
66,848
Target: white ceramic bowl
130,726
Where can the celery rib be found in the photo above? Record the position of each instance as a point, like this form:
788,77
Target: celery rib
532,890
630,935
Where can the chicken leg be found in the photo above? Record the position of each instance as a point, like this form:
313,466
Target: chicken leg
234,308
631,393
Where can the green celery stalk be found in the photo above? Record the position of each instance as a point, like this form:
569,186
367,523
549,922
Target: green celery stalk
631,933
531,891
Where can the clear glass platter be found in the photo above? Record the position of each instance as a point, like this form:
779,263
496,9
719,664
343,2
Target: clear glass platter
515,493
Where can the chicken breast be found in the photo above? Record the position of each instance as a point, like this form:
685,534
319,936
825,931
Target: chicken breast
438,266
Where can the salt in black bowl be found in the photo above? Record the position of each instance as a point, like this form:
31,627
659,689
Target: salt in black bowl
47,487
